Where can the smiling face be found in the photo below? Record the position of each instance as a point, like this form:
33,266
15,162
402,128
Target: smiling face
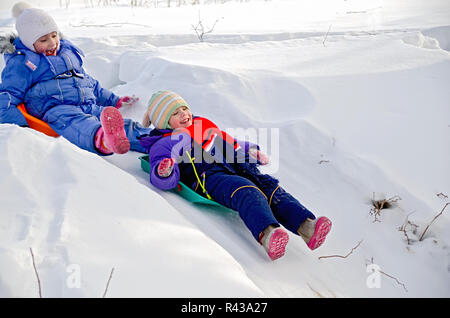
181,118
47,44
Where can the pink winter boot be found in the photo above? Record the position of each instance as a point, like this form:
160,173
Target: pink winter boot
274,240
315,231
114,134
100,142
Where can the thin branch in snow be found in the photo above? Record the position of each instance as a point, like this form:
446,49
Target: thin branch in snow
106,25
353,12
412,227
398,282
438,215
390,276
107,284
326,35
200,29
36,272
340,256
442,195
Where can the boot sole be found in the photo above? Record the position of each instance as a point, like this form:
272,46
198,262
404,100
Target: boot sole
323,227
277,244
113,127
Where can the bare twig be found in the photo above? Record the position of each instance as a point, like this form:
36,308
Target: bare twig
438,215
200,29
404,229
107,284
340,256
352,12
326,35
398,282
112,24
442,195
36,272
390,276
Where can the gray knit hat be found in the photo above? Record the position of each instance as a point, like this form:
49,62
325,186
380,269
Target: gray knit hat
33,23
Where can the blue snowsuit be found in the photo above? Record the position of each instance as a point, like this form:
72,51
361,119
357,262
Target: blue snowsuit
230,177
57,90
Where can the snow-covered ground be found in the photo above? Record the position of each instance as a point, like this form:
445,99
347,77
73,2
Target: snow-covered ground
354,97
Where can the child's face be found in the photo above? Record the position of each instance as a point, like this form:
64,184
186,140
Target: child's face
47,44
181,118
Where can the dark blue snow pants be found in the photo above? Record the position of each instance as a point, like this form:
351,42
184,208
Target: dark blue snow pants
257,207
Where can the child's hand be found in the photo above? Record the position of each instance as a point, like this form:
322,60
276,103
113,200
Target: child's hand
165,167
127,101
259,155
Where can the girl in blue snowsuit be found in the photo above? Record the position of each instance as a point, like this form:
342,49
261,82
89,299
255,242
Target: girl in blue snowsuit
194,150
46,74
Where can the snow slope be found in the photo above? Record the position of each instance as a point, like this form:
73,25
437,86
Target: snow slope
88,215
357,113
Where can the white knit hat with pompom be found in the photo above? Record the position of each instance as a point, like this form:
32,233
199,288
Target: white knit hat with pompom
32,23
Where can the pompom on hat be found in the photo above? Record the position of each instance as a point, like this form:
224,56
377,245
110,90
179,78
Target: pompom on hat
32,23
18,8
161,106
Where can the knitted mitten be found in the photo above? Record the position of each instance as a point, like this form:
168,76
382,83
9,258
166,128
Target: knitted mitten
127,101
259,155
165,167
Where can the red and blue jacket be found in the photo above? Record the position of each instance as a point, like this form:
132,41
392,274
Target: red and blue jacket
198,150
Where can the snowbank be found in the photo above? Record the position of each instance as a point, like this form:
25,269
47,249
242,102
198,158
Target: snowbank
83,216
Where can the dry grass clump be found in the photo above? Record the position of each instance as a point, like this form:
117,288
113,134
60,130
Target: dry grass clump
382,204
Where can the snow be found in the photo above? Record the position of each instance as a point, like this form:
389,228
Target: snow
350,99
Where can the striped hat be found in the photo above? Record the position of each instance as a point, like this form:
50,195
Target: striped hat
161,106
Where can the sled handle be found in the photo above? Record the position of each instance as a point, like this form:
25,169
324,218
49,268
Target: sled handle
36,123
